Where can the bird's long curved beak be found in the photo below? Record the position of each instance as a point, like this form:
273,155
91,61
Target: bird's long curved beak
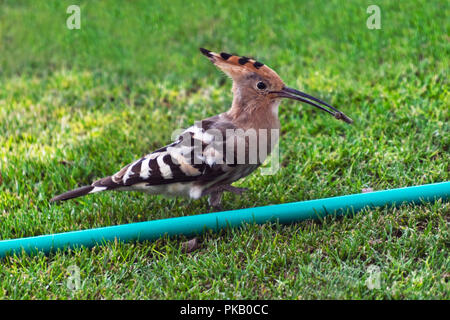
290,93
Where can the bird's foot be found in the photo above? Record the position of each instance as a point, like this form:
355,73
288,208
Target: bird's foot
215,200
216,208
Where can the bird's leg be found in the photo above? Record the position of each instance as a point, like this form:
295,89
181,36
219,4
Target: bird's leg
214,200
224,187
235,190
215,194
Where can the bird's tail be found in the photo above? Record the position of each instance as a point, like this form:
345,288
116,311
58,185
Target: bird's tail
99,185
75,193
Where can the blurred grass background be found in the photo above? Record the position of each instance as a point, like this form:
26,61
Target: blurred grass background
76,105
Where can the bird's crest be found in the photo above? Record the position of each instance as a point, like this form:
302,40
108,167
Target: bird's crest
236,66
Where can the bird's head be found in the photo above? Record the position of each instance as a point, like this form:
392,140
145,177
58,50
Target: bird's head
256,85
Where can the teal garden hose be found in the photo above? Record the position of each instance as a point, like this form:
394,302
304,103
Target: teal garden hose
193,225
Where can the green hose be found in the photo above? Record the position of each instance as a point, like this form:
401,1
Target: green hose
194,225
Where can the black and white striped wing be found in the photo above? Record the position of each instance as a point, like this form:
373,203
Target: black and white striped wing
196,156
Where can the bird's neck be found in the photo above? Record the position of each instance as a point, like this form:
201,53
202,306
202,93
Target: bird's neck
254,114
263,118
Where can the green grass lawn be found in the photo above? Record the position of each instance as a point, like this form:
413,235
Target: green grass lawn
76,105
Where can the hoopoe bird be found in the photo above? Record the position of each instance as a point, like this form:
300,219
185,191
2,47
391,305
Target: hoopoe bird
204,160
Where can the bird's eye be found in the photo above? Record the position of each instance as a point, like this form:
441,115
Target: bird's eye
261,85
